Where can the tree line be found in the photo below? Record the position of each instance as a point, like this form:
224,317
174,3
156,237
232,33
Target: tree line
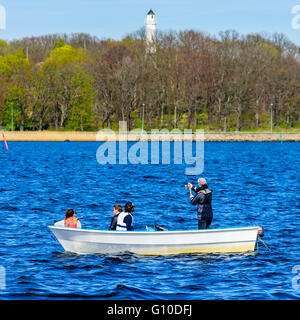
192,80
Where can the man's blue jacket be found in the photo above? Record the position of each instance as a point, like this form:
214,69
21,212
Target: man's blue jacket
203,198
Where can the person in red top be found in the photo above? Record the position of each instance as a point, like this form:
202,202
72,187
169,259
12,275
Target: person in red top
70,221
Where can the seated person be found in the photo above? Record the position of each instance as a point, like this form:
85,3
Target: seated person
70,220
116,211
125,219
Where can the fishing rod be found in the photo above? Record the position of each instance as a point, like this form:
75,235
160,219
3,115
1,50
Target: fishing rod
190,188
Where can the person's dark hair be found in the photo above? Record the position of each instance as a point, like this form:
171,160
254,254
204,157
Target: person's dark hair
70,213
129,207
118,207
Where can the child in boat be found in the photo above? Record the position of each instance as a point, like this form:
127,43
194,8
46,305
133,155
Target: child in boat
116,211
125,219
70,221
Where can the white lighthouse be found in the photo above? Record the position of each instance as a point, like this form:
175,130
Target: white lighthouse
151,31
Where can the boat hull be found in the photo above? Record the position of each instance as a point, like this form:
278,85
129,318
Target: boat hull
83,241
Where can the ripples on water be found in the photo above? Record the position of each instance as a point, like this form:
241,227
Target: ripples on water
253,183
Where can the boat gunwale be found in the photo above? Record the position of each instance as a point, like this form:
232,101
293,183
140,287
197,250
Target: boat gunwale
153,232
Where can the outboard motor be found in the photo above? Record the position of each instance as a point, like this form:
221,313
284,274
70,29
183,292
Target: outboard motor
260,231
260,234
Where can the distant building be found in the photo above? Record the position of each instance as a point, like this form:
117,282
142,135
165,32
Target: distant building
151,32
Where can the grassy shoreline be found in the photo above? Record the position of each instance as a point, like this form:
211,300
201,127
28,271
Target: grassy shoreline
94,136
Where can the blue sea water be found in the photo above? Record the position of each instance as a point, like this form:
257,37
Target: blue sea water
252,183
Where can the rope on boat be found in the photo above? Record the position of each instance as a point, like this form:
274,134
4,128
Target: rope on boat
260,239
159,228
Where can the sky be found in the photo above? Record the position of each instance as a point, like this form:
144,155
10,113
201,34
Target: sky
117,18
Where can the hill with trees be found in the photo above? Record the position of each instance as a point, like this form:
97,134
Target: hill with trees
193,80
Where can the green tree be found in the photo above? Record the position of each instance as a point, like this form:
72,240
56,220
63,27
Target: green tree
14,104
60,43
67,81
81,115
12,63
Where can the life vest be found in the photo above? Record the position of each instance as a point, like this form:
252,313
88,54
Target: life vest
121,225
71,222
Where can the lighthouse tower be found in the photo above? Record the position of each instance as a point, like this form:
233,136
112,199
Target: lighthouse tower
151,31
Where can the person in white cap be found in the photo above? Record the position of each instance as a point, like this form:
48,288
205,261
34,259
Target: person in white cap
203,199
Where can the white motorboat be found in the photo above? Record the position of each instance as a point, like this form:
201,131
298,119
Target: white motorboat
85,241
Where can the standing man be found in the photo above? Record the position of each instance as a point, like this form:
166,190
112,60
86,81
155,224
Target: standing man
116,211
203,199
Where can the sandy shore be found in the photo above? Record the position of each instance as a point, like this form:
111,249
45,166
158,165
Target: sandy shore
94,136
